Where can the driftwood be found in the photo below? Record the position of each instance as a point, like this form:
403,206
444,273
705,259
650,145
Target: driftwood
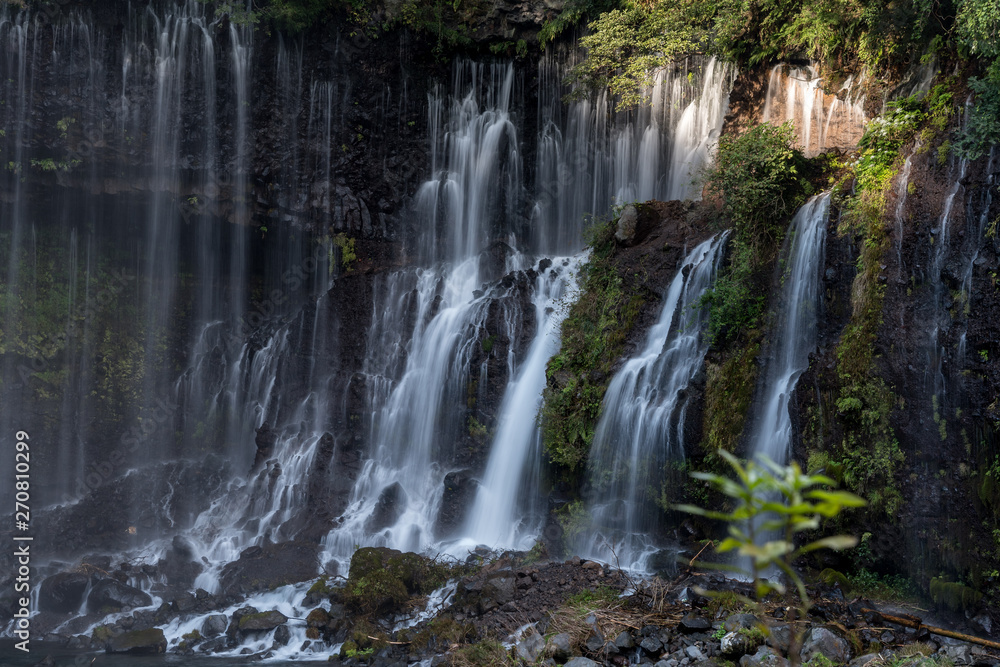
916,624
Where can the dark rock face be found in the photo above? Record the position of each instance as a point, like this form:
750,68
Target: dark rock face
138,642
112,594
388,508
63,593
265,568
459,494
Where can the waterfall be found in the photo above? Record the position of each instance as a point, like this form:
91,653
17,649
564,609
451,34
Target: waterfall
499,517
795,330
589,158
822,120
936,380
642,422
435,318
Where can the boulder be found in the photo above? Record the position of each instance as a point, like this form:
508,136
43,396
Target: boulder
651,645
214,625
764,657
138,642
268,567
530,647
561,647
382,579
112,594
581,662
625,230
62,593
738,642
822,641
282,635
261,621
694,623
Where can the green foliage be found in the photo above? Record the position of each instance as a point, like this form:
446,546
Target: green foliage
978,26
868,455
626,45
348,252
593,337
486,653
756,176
573,12
593,598
982,129
775,503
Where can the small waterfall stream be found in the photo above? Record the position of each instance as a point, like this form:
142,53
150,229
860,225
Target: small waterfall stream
795,330
642,421
822,120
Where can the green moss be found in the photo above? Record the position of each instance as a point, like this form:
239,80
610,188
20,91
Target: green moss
381,580
956,597
320,588
487,653
729,388
593,339
101,634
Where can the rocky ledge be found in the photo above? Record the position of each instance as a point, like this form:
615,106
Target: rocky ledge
395,609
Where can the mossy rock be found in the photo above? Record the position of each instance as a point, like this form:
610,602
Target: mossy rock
382,579
101,634
138,642
956,597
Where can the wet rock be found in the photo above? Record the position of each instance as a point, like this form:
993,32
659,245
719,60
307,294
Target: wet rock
493,261
111,594
651,645
745,621
822,641
266,568
63,592
581,662
764,657
959,654
388,508
694,653
282,635
262,621
459,493
737,643
266,438
530,647
595,643
214,625
138,642
694,623
561,647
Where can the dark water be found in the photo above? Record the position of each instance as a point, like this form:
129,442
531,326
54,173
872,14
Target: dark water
11,657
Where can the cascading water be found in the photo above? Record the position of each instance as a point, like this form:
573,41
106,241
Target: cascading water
643,417
475,149
795,331
822,121
589,158
499,518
